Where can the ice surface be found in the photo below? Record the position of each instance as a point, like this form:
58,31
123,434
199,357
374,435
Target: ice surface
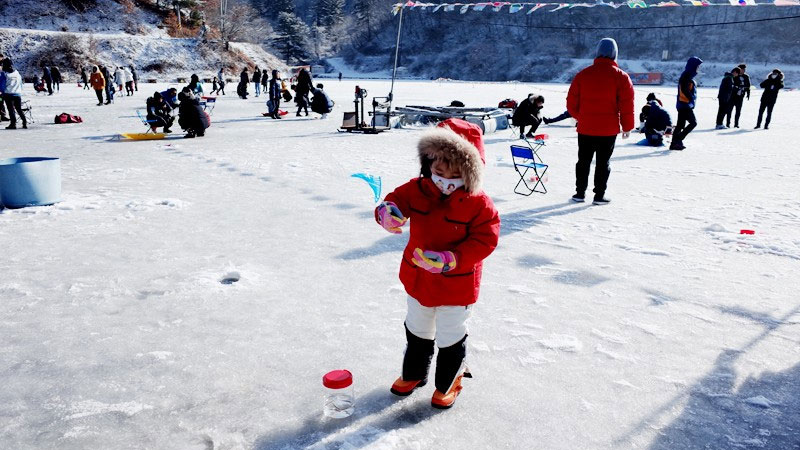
649,323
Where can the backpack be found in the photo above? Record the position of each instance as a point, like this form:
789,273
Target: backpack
508,103
67,118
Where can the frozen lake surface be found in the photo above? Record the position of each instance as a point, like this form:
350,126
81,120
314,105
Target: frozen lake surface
190,294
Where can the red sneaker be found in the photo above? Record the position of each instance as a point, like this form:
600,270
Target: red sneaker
404,388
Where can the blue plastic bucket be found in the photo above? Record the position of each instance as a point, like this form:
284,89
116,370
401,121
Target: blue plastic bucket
33,181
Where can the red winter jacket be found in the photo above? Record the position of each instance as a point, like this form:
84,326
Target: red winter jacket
466,224
600,98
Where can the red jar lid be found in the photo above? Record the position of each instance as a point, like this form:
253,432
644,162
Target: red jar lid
337,379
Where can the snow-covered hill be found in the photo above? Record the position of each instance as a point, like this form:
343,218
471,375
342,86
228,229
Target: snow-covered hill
112,35
107,16
158,57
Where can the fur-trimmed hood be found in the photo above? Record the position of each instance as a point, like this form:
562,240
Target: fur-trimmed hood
448,145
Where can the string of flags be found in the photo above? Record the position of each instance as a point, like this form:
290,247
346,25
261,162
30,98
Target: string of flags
514,7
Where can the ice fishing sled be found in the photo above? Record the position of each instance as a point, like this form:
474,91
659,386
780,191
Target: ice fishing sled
142,136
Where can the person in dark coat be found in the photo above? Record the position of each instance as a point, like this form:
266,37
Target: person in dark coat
244,80
57,79
191,118
656,124
109,84
275,94
771,86
741,88
257,81
646,110
687,96
47,77
135,79
724,97
321,103
528,114
158,111
84,78
303,88
265,81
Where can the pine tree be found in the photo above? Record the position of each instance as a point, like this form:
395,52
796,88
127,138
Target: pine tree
292,38
364,11
329,12
273,8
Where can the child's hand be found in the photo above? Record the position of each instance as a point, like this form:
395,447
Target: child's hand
388,215
434,262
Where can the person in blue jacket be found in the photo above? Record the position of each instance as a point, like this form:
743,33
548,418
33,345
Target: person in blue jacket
687,96
170,97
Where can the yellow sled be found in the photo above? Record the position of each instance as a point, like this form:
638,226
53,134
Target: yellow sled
142,136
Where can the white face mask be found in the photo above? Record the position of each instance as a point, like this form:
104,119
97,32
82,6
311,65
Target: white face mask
773,76
447,185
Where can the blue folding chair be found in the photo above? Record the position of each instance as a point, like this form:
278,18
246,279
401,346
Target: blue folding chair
527,159
208,104
147,122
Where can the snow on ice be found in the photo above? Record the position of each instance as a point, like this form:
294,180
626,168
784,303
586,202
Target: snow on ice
191,293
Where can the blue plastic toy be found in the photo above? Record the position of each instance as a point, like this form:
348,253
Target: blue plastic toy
33,181
374,183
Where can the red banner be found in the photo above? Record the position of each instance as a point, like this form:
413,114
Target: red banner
647,78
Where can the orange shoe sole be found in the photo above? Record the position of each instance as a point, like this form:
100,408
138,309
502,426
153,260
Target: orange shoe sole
405,388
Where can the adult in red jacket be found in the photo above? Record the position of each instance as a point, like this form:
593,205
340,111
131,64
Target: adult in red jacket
454,226
600,98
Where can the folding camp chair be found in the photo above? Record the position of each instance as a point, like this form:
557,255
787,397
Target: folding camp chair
208,104
28,111
147,122
526,158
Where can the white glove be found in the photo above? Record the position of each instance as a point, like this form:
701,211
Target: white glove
626,134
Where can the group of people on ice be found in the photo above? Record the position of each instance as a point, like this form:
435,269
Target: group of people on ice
103,80
192,117
277,91
733,89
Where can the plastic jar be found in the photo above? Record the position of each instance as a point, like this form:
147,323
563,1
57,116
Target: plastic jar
340,400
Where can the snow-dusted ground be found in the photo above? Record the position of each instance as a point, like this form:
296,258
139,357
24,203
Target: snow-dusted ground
650,323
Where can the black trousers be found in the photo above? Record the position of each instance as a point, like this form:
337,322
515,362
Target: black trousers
534,124
686,123
761,108
49,87
603,146
14,103
2,108
99,93
723,111
736,102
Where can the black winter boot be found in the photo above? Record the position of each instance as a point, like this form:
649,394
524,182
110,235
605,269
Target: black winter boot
416,364
448,363
450,369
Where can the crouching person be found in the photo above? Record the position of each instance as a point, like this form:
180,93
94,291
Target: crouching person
454,227
657,124
191,118
321,103
158,112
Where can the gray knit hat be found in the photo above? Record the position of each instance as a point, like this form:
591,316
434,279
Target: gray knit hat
607,48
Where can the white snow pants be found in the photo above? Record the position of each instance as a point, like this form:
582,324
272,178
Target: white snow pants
446,324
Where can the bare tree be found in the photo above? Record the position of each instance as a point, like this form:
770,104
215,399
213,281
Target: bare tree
235,21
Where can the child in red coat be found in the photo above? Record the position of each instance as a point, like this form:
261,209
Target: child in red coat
454,226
